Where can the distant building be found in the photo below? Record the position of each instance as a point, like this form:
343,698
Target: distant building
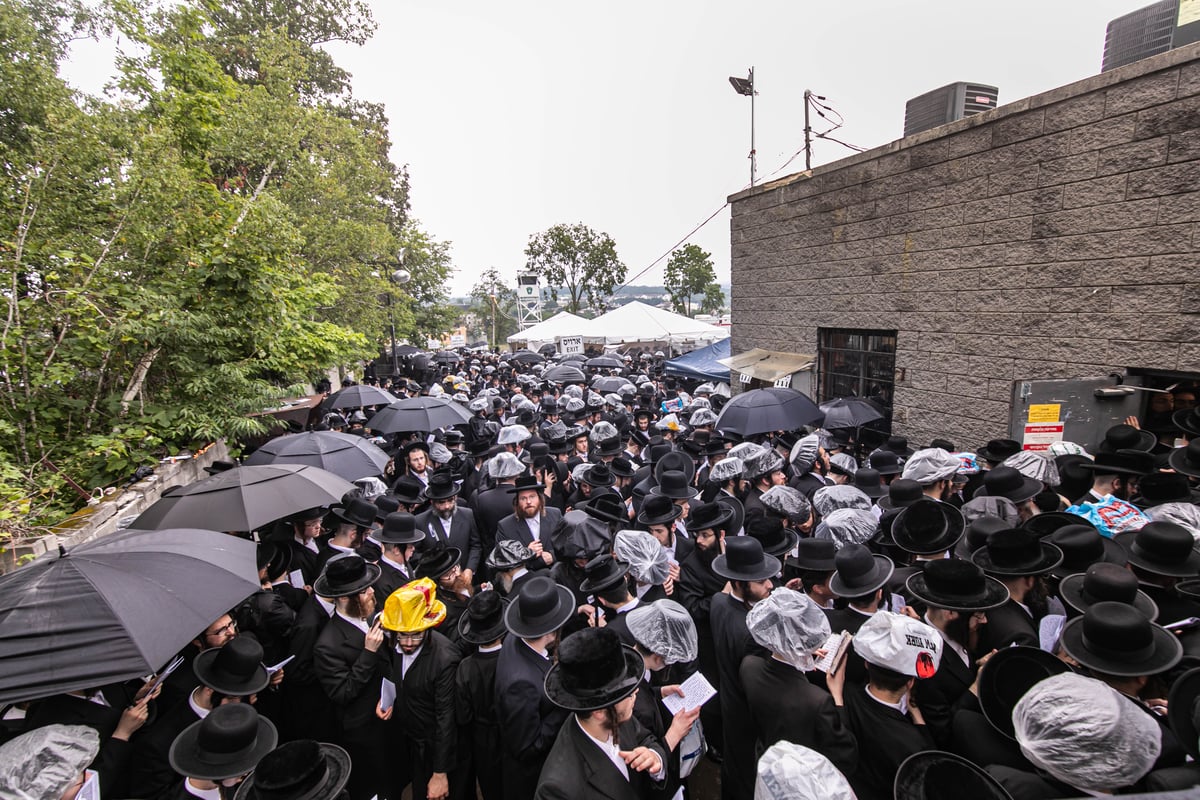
1139,34
947,104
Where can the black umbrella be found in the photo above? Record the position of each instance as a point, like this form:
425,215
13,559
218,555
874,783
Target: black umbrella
351,457
580,357
419,414
849,412
604,362
547,349
766,410
115,608
244,498
527,357
359,396
611,383
447,357
563,373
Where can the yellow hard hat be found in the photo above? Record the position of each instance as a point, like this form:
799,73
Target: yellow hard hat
413,607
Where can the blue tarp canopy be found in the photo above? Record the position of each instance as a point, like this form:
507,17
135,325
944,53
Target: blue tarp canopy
702,364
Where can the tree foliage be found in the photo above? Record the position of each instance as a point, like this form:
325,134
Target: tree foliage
690,274
492,297
578,261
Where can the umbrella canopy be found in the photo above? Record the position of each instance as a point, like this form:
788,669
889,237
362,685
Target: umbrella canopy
563,373
115,608
766,410
358,396
244,498
610,383
348,456
419,414
849,412
604,362
572,357
447,357
527,357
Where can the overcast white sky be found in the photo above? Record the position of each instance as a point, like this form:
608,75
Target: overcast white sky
517,115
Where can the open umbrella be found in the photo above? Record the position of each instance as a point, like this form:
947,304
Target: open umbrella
572,358
563,373
419,414
604,362
351,457
447,357
766,410
527,357
115,608
244,498
849,412
611,383
358,396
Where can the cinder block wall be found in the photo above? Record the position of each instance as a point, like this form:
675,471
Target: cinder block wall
1056,236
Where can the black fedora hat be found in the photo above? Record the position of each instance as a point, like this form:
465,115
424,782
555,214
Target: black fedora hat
901,493
408,490
1082,546
1007,482
525,483
1105,583
885,462
622,467
1186,459
483,621
677,461
707,515
1162,548
956,586
560,446
603,572
775,539
478,448
1158,488
234,669
357,512
1047,523
658,509
1016,553
385,504
598,475
737,512
400,528
1117,639
928,526
898,445
540,607
674,484
434,562
858,572
744,560
299,770
415,444
276,558
1007,676
1125,437
228,743
606,447
605,505
534,450
715,446
594,671
816,555
935,774
996,450
441,485
308,514
977,533
1188,421
345,574
867,480
1122,462
1183,713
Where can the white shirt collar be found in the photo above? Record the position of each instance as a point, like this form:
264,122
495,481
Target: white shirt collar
201,712
490,648
395,564
608,748
204,794
630,606
541,653
311,544
361,624
519,572
407,660
902,706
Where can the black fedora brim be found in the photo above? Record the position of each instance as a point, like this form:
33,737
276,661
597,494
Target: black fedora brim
202,665
607,582
675,460
995,594
1189,567
442,563
1191,496
1189,589
885,502
718,521
769,567
1113,554
1183,420
962,778
687,494
453,492
1051,557
1166,653
412,538
875,492
677,512
1091,466
1007,676
1145,443
362,523
472,634
523,628
1180,710
186,759
1030,488
954,528
600,698
1178,461
337,775
785,546
322,588
880,574
810,565
736,509
1042,525
1070,591
525,488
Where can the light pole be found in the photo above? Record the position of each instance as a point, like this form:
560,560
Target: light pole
745,87
399,277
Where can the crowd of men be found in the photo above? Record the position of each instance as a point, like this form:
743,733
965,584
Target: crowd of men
528,605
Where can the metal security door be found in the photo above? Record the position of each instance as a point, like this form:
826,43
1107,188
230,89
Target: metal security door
1045,411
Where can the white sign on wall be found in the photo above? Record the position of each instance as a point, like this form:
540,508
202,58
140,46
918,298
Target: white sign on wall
570,344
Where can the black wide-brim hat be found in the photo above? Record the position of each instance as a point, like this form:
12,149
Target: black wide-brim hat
603,572
483,621
606,505
344,575
667,514
997,450
1079,593
1125,437
737,512
399,527
235,669
927,527
620,673
875,575
934,774
779,542
956,586
209,755
1047,523
995,558
441,487
1007,676
1188,421
1082,546
708,516
744,560
437,562
1105,639
1186,459
1162,548
1008,482
900,493
1182,711
815,555
673,484
359,512
299,770
540,607
678,461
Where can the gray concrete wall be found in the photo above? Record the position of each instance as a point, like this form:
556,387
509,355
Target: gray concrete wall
1056,236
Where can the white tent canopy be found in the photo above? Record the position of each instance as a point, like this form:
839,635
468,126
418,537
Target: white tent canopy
548,331
638,322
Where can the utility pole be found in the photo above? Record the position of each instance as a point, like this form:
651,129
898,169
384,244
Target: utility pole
493,315
807,131
745,87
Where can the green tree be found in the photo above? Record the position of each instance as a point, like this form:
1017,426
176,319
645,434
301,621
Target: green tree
577,260
690,273
493,298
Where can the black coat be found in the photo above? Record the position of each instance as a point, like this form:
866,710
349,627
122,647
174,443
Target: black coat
885,738
464,534
350,674
491,506
1007,625
528,719
424,707
512,528
732,643
576,768
479,747
785,706
390,579
304,560
940,696
113,760
151,776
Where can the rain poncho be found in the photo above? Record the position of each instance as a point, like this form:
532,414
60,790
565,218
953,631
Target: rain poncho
790,625
828,499
439,453
845,462
790,771
762,463
726,469
647,559
1066,449
702,416
787,502
968,463
804,453
1111,515
1184,514
989,506
745,450
602,431
1085,733
666,628
513,434
931,465
578,535
1034,465
41,764
848,526
505,465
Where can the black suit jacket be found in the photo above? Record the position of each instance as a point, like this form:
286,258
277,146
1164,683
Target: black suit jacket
512,528
491,506
151,776
304,560
576,768
390,579
528,720
732,643
943,694
424,707
464,534
885,738
1007,625
350,674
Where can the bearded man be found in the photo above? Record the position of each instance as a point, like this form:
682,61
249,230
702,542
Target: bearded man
531,521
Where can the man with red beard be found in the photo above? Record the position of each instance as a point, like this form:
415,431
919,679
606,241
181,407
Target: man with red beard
531,521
